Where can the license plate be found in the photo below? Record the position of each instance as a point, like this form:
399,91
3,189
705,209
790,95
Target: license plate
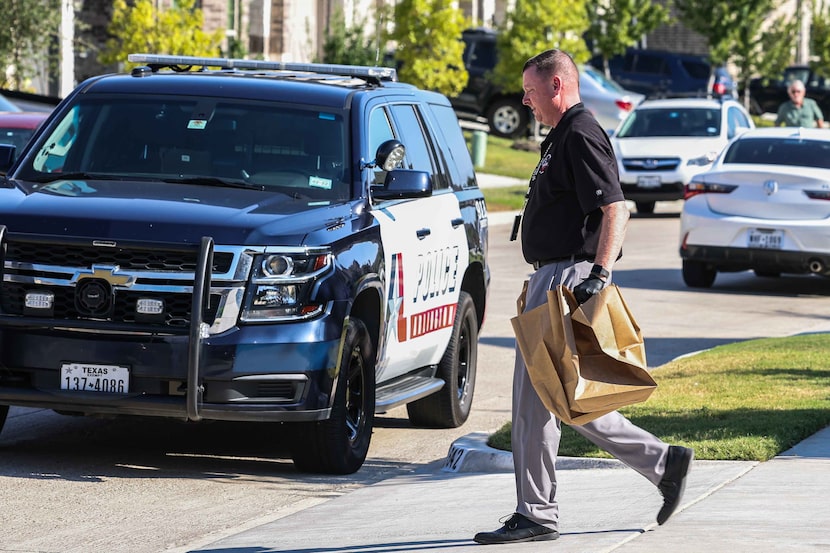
83,377
649,181
766,239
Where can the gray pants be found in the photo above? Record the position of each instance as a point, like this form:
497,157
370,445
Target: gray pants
536,431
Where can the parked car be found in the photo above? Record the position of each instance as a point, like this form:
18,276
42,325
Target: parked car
226,239
766,95
605,98
763,206
658,72
505,113
7,105
17,127
663,143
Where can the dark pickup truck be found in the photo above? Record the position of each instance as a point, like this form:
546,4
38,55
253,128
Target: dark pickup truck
767,94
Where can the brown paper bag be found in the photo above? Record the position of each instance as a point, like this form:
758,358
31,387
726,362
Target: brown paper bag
584,361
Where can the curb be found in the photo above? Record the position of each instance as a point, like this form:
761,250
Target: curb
471,453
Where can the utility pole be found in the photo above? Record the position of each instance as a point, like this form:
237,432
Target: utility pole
67,48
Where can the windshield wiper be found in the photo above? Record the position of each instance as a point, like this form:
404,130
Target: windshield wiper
214,181
79,175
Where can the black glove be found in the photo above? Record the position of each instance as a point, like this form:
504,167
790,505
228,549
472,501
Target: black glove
587,288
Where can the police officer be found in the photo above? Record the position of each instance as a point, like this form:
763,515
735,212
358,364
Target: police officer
572,232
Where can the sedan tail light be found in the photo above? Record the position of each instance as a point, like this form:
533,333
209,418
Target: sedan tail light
624,105
697,187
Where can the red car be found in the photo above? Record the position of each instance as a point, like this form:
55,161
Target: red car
16,127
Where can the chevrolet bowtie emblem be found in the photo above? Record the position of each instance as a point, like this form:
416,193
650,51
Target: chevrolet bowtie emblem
108,273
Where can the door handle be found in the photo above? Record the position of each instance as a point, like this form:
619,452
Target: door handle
457,222
422,233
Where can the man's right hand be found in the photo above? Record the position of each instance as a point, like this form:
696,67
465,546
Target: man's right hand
591,286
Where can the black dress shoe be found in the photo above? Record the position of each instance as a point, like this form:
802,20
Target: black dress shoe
674,480
517,528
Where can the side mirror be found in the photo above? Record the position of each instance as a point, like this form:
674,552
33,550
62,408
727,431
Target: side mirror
7,152
403,184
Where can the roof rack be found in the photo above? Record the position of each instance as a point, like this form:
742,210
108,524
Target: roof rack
180,63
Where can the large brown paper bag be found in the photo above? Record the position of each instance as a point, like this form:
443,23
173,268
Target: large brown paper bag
584,361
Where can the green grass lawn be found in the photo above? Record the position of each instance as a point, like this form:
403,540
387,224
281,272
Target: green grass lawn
743,401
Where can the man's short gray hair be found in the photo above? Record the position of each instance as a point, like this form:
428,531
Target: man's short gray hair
553,61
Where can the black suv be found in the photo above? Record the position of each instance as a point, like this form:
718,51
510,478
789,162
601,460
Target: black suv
245,241
505,113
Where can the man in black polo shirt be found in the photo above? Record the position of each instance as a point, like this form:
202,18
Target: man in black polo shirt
572,231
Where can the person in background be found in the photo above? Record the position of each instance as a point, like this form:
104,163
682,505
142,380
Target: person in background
572,231
799,111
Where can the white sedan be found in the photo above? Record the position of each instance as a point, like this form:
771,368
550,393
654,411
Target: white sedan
663,143
763,206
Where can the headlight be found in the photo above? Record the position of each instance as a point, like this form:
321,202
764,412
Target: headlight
704,159
282,285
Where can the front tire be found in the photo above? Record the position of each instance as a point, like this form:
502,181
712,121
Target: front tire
508,118
697,274
450,406
339,445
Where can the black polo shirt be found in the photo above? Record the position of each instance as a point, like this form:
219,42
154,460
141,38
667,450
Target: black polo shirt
576,175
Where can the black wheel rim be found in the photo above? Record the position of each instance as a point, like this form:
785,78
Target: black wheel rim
355,397
464,355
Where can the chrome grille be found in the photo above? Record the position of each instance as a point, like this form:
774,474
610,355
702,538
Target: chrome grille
121,276
651,163
133,259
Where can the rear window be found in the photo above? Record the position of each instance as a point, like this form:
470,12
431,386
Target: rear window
696,69
780,151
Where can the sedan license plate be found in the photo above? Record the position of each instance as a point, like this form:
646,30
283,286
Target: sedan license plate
766,239
83,377
649,181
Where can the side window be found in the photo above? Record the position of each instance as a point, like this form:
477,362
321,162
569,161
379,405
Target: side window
410,127
484,55
51,158
735,120
380,130
651,64
696,69
453,145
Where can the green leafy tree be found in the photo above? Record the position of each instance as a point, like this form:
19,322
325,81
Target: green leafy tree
533,27
429,45
820,38
617,24
143,29
744,32
29,28
350,45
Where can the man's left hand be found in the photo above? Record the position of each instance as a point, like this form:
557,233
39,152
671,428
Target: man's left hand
591,286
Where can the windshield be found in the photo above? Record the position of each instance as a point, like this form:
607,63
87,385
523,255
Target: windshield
197,141
780,151
671,122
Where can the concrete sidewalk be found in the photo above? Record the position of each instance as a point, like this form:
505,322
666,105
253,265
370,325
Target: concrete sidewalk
728,507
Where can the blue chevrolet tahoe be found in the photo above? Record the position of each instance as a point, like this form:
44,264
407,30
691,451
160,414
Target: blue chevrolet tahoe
221,239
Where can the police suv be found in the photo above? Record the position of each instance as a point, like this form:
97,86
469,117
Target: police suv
223,239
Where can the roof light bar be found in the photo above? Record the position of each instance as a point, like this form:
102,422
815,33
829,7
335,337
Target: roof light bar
381,73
